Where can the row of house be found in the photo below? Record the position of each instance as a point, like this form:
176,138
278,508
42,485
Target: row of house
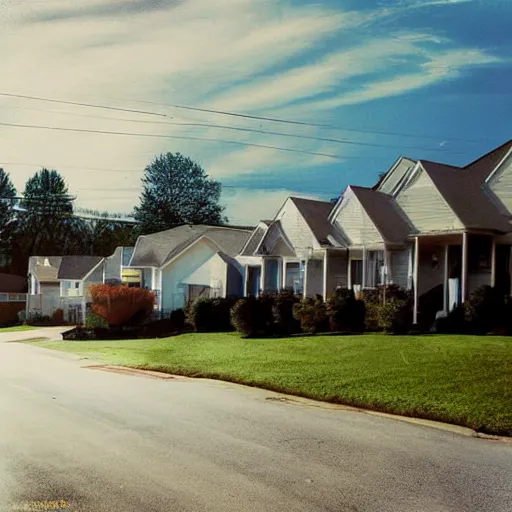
423,226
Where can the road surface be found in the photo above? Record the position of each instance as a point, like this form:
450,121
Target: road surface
91,440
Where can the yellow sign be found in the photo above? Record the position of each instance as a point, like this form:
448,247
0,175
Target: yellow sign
130,275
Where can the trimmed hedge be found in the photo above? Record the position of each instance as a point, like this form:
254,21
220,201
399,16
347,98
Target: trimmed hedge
346,313
211,315
252,316
312,314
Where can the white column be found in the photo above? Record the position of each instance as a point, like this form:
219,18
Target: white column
246,279
305,291
262,275
326,257
446,276
415,279
349,272
493,263
363,283
464,277
153,278
283,280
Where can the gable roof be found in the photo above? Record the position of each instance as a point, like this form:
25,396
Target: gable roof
483,166
77,267
463,190
159,248
316,215
395,175
255,239
383,212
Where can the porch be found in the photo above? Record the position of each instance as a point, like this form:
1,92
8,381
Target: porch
459,263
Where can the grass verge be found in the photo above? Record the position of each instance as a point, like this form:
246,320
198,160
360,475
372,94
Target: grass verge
464,380
16,328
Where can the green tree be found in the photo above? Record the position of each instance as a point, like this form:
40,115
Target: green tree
176,190
47,224
7,225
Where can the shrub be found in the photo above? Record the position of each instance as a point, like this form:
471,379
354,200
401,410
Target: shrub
58,317
453,323
94,321
121,305
9,312
482,310
211,315
345,312
395,316
312,313
252,316
282,311
388,309
177,319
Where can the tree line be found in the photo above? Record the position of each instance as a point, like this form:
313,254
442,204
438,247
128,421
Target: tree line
43,221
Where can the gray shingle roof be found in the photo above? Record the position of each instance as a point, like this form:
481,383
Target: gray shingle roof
77,267
255,240
462,189
159,248
316,214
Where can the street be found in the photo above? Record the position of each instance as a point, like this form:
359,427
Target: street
92,440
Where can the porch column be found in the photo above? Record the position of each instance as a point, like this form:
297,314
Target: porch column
415,283
349,271
363,279
326,257
246,279
153,278
305,291
446,276
464,277
493,263
262,275
283,281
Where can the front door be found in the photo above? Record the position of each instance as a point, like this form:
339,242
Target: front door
356,272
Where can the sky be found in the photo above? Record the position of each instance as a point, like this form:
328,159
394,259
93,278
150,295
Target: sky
351,85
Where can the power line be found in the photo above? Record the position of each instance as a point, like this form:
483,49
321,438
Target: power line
90,105
149,135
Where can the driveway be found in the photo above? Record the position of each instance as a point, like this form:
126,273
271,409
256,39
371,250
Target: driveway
102,442
51,333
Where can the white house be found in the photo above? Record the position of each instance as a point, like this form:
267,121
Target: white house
190,261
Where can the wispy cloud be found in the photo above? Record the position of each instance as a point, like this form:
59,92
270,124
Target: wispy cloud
265,56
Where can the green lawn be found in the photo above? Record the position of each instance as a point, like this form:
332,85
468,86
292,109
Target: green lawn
466,380
17,328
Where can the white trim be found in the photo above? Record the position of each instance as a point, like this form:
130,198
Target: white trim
363,278
464,277
93,269
446,277
338,206
497,168
281,234
326,259
189,246
415,280
261,223
305,283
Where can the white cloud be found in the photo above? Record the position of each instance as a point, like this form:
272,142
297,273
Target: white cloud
258,55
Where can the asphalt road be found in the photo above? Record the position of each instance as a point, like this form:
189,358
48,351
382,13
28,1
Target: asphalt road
107,442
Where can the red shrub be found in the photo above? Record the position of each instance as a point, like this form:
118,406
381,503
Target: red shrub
9,312
120,305
58,317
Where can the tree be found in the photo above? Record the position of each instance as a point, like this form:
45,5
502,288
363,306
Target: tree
47,225
7,198
176,190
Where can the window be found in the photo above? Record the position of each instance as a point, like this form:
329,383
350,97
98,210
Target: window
479,254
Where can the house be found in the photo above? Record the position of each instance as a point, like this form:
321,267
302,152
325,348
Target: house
12,297
190,261
298,250
62,282
424,226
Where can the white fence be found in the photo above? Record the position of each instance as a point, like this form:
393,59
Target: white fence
13,297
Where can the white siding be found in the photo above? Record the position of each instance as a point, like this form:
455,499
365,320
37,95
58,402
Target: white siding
174,289
425,207
399,267
296,229
396,175
315,273
355,223
501,184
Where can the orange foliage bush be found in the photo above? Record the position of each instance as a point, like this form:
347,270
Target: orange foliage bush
119,305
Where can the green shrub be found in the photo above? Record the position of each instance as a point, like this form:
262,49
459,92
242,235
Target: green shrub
311,312
252,316
395,316
211,315
388,309
282,311
345,312
95,321
177,319
453,323
482,310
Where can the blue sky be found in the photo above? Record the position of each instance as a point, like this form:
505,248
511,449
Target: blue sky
432,77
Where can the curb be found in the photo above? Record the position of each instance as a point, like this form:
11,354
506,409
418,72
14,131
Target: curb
297,400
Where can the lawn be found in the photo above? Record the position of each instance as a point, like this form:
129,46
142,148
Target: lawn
465,380
16,328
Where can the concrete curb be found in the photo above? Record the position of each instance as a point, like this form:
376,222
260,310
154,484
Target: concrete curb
297,400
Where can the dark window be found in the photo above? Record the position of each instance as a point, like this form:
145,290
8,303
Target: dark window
479,253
